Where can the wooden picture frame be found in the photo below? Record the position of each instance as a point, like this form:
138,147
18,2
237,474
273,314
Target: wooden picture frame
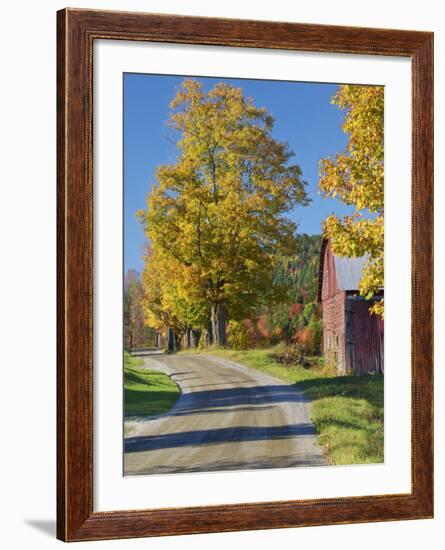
77,31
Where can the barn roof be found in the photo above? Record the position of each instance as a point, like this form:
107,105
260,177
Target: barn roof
348,270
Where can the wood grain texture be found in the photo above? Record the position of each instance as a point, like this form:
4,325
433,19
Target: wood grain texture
76,31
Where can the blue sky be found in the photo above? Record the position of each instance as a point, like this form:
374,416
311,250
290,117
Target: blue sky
304,117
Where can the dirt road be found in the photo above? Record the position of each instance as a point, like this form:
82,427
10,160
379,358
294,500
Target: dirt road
228,417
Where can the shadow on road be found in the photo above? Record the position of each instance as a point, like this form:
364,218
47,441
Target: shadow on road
206,401
214,436
257,398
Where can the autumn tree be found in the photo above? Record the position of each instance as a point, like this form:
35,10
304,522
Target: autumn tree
218,212
356,177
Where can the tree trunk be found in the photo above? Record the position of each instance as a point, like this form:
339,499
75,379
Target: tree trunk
195,337
171,341
188,338
209,336
178,340
218,313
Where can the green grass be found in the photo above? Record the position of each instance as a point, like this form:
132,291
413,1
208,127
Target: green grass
348,414
147,392
347,410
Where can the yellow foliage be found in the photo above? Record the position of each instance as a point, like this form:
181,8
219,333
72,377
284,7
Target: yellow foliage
356,177
215,217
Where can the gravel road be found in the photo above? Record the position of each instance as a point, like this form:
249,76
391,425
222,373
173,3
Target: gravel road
228,417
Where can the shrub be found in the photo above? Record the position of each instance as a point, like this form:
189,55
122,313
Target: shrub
240,334
309,338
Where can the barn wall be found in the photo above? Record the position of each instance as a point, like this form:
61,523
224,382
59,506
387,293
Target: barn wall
352,337
333,309
364,338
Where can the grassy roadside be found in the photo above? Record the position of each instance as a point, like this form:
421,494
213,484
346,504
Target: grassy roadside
262,360
347,410
146,392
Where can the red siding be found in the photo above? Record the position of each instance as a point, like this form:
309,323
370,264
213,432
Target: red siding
333,309
364,338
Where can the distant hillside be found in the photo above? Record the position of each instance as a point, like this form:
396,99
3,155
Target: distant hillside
300,271
296,318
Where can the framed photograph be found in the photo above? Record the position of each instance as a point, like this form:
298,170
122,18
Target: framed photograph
245,263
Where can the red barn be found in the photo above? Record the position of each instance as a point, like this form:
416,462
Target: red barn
352,336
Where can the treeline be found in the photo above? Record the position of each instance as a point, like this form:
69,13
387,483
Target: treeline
295,319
